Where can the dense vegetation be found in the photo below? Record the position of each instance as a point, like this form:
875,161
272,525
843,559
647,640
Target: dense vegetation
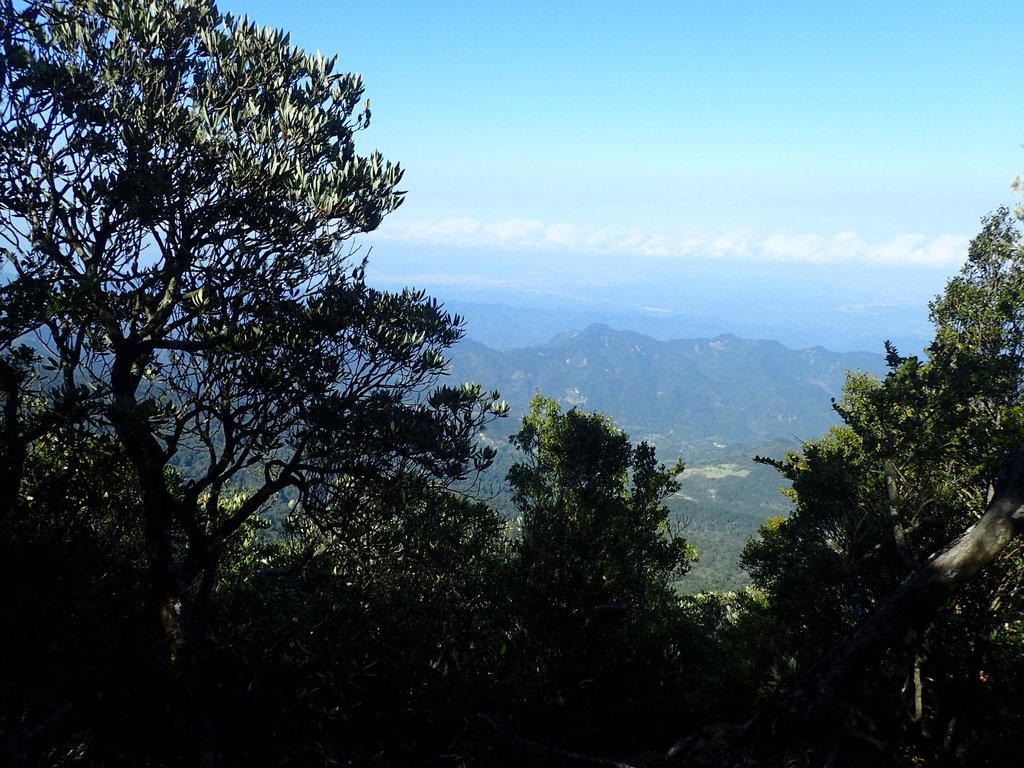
233,488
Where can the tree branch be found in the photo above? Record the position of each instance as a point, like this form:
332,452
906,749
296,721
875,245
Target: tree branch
912,605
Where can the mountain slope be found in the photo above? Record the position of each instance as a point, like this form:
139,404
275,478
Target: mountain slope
687,396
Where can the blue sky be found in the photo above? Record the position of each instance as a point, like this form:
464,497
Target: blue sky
591,133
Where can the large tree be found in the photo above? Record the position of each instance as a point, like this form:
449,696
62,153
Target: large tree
877,545
178,191
593,573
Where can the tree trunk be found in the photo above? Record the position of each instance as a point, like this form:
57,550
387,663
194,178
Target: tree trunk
168,592
12,442
912,605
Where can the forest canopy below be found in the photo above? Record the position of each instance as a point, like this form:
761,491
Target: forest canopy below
179,193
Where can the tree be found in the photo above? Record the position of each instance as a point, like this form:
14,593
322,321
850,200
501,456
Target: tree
594,567
882,505
178,190
374,648
69,560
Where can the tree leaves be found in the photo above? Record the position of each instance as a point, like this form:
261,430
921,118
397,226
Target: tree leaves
177,192
913,467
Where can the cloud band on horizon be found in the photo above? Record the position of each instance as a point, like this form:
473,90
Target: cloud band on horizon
938,251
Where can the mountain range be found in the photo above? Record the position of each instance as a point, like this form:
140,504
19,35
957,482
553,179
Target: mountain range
689,397
715,402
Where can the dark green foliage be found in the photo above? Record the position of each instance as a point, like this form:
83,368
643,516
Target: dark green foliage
313,647
177,193
332,649
723,503
908,473
176,218
599,632
82,674
593,516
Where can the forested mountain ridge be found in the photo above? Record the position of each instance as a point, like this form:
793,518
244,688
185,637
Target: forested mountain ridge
715,402
688,396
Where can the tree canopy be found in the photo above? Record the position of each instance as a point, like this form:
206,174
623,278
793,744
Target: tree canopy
882,504
178,193
598,622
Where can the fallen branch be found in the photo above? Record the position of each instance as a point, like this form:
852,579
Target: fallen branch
914,604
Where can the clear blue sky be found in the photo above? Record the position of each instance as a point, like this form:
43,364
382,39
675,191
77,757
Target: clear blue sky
854,132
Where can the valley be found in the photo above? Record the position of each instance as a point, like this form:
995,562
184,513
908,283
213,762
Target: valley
715,402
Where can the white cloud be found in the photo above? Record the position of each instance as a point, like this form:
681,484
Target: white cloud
946,250
548,283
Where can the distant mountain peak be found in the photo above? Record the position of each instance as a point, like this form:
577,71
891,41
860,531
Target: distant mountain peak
680,394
